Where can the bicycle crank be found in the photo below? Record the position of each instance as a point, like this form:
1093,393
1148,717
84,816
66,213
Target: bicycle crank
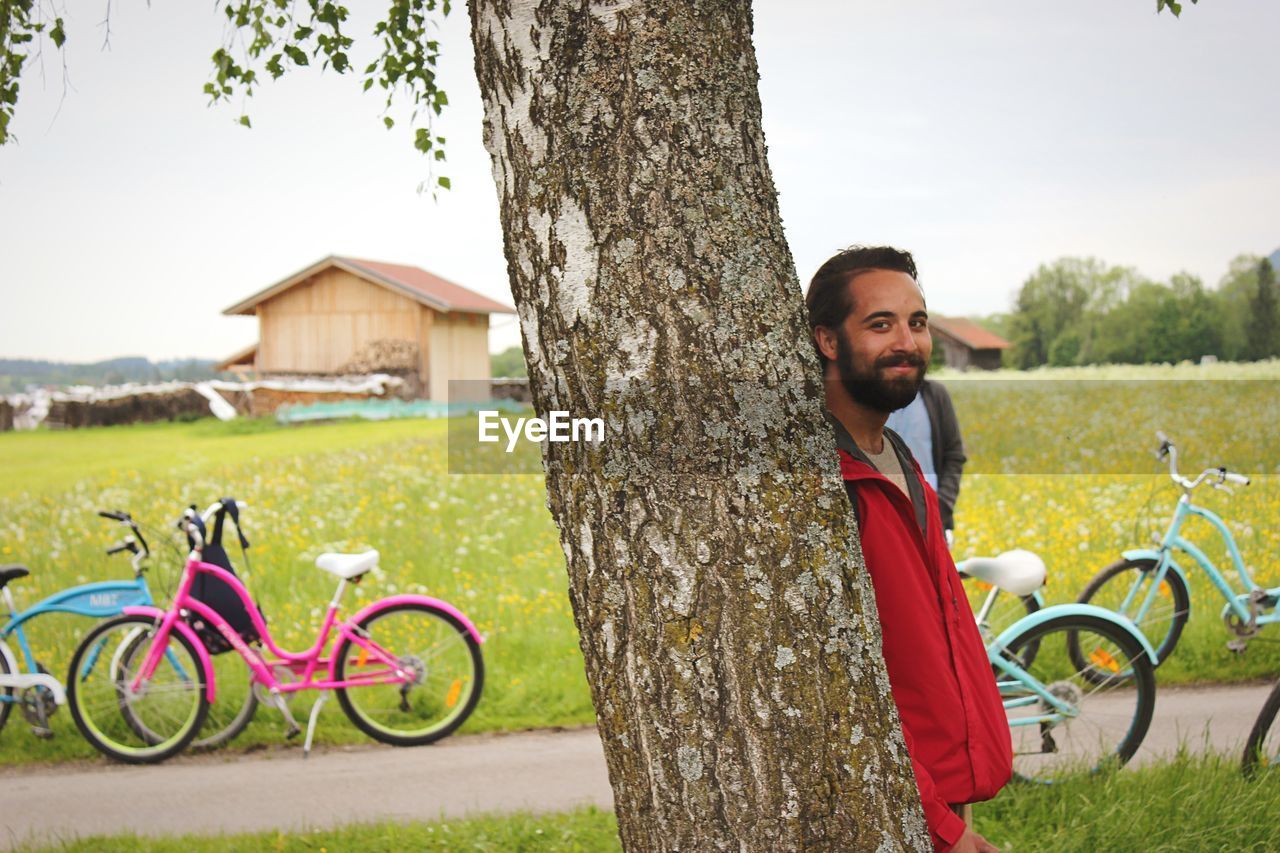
1070,695
38,704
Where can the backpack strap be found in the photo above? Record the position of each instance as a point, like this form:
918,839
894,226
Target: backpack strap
851,489
231,508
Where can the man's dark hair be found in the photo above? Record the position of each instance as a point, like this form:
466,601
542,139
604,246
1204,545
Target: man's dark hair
830,300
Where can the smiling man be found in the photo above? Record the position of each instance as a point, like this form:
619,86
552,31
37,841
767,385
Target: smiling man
871,331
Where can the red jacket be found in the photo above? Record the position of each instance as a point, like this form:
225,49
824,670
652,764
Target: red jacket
952,716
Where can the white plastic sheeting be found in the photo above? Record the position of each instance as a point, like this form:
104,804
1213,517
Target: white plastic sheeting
31,409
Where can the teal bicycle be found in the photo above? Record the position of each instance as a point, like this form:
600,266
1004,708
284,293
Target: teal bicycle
1064,717
1148,586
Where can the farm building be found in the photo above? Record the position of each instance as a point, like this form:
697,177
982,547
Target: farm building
346,315
965,344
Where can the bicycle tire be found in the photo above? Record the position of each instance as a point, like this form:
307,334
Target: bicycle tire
222,728
1105,730
7,705
1162,625
95,694
464,670
1256,757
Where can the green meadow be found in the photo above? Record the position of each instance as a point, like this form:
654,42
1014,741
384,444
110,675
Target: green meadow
487,543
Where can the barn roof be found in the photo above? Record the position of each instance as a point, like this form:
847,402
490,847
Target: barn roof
240,357
413,282
968,332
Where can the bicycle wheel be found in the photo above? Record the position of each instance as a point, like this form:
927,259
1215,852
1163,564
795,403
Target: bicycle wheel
1108,704
1130,581
229,713
6,693
235,705
1262,749
447,675
158,719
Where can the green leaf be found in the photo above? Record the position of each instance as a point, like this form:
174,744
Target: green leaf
368,84
244,120
58,35
388,121
444,182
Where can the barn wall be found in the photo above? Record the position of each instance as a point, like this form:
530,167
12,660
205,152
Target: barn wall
459,349
317,325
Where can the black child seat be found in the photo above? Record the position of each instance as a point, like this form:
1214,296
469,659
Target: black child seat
216,592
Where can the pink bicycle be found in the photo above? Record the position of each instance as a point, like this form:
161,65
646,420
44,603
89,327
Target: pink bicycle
406,669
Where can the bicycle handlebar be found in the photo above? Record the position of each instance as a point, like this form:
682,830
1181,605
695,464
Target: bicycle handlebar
1220,474
129,544
127,520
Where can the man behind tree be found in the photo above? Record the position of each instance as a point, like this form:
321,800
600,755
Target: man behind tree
872,335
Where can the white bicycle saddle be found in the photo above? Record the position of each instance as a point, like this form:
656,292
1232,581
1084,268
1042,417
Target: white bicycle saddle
347,566
1019,572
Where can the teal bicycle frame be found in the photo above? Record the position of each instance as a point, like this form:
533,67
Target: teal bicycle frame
94,600
1238,604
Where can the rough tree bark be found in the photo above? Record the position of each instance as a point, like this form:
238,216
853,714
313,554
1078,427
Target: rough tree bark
726,619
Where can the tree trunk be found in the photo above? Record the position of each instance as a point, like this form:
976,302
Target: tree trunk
726,618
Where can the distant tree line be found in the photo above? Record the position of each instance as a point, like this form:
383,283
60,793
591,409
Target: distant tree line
509,363
18,374
1079,311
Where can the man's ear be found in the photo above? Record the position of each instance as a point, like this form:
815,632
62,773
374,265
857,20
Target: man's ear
826,339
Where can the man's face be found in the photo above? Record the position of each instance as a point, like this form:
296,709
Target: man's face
883,346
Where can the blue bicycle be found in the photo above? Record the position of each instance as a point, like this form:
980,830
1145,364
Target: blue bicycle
1148,587
31,687
1065,716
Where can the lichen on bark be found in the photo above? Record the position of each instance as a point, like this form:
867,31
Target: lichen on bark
729,636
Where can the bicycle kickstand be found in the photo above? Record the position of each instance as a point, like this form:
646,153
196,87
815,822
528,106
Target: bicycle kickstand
311,723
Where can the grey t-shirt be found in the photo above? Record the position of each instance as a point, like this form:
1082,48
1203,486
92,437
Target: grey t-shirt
887,463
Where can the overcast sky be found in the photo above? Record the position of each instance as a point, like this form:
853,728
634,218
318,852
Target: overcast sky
987,137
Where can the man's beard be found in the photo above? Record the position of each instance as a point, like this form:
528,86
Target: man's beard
869,388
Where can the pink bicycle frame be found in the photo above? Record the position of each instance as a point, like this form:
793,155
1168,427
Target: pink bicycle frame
303,664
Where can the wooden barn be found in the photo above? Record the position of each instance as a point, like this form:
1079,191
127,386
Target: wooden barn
346,315
965,344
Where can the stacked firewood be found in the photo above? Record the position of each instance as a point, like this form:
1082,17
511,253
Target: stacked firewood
386,355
